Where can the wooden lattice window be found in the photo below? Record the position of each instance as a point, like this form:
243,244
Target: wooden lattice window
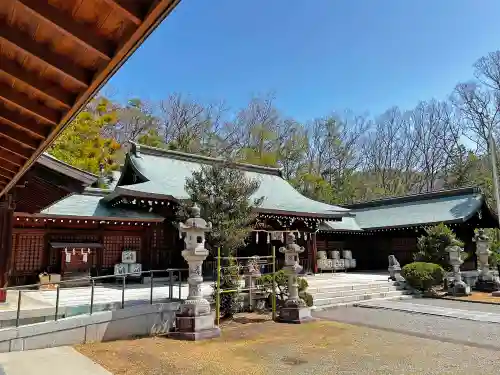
112,252
28,250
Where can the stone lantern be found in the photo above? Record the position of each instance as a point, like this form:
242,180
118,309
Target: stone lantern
195,321
294,309
460,288
486,281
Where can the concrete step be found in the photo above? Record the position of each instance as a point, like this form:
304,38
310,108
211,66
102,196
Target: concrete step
346,304
335,287
346,293
318,302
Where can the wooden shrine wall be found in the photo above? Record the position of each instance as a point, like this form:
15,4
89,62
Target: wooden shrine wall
32,253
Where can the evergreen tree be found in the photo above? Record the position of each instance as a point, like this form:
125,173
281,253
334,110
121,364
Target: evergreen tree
226,198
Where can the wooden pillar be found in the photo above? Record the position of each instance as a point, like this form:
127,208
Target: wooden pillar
6,223
314,253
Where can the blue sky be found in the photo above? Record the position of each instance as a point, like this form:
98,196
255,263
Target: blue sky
317,56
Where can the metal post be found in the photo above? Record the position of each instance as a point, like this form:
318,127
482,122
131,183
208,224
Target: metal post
273,296
170,284
18,314
123,292
493,158
180,284
151,286
92,290
57,301
217,291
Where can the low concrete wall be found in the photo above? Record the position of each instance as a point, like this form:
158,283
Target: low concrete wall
133,321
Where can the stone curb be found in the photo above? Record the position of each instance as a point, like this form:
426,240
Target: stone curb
469,301
408,311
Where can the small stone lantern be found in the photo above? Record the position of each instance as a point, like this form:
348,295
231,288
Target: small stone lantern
294,309
486,281
460,288
195,321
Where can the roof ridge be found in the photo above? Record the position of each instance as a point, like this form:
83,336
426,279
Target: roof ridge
416,197
138,149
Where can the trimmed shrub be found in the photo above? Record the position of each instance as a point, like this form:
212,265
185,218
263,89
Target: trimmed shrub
423,276
281,279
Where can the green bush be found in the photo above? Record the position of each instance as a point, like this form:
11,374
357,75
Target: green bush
423,276
230,280
432,246
281,279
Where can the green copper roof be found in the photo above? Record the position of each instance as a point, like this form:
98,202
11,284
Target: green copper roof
450,206
165,173
347,224
89,205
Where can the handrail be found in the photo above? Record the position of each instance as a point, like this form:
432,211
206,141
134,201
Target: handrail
92,280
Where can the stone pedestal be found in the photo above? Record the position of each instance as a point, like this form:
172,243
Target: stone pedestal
486,281
195,320
459,287
294,309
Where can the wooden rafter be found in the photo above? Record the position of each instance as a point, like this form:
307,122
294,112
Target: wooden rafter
24,102
55,55
43,87
63,64
14,147
129,8
17,136
80,33
15,119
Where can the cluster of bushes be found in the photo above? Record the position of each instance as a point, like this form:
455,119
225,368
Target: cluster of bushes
231,302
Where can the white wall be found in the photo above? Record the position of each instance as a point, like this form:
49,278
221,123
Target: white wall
140,320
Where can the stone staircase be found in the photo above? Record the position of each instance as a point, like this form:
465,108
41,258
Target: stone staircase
343,289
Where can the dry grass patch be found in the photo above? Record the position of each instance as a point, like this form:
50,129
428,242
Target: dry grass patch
477,297
319,348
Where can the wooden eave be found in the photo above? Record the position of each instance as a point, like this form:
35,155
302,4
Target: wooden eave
95,219
54,57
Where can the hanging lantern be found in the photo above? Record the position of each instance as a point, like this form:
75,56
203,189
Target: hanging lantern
269,238
256,237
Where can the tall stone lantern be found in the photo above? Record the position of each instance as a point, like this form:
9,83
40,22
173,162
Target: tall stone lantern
460,288
195,320
486,281
294,309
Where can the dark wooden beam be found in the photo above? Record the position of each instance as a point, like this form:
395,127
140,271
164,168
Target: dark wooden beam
7,170
4,177
14,160
86,37
46,88
23,123
18,136
64,65
132,9
14,148
25,102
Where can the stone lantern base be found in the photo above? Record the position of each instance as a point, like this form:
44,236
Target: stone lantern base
295,313
461,289
194,328
488,286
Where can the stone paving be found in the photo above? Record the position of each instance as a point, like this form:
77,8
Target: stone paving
475,315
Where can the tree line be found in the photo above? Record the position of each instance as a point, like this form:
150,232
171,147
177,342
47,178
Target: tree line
341,157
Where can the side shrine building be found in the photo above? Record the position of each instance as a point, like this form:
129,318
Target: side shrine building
138,213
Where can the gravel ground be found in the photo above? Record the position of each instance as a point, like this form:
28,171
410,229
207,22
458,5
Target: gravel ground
477,334
319,348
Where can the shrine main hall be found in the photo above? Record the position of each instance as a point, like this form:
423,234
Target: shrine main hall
60,210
